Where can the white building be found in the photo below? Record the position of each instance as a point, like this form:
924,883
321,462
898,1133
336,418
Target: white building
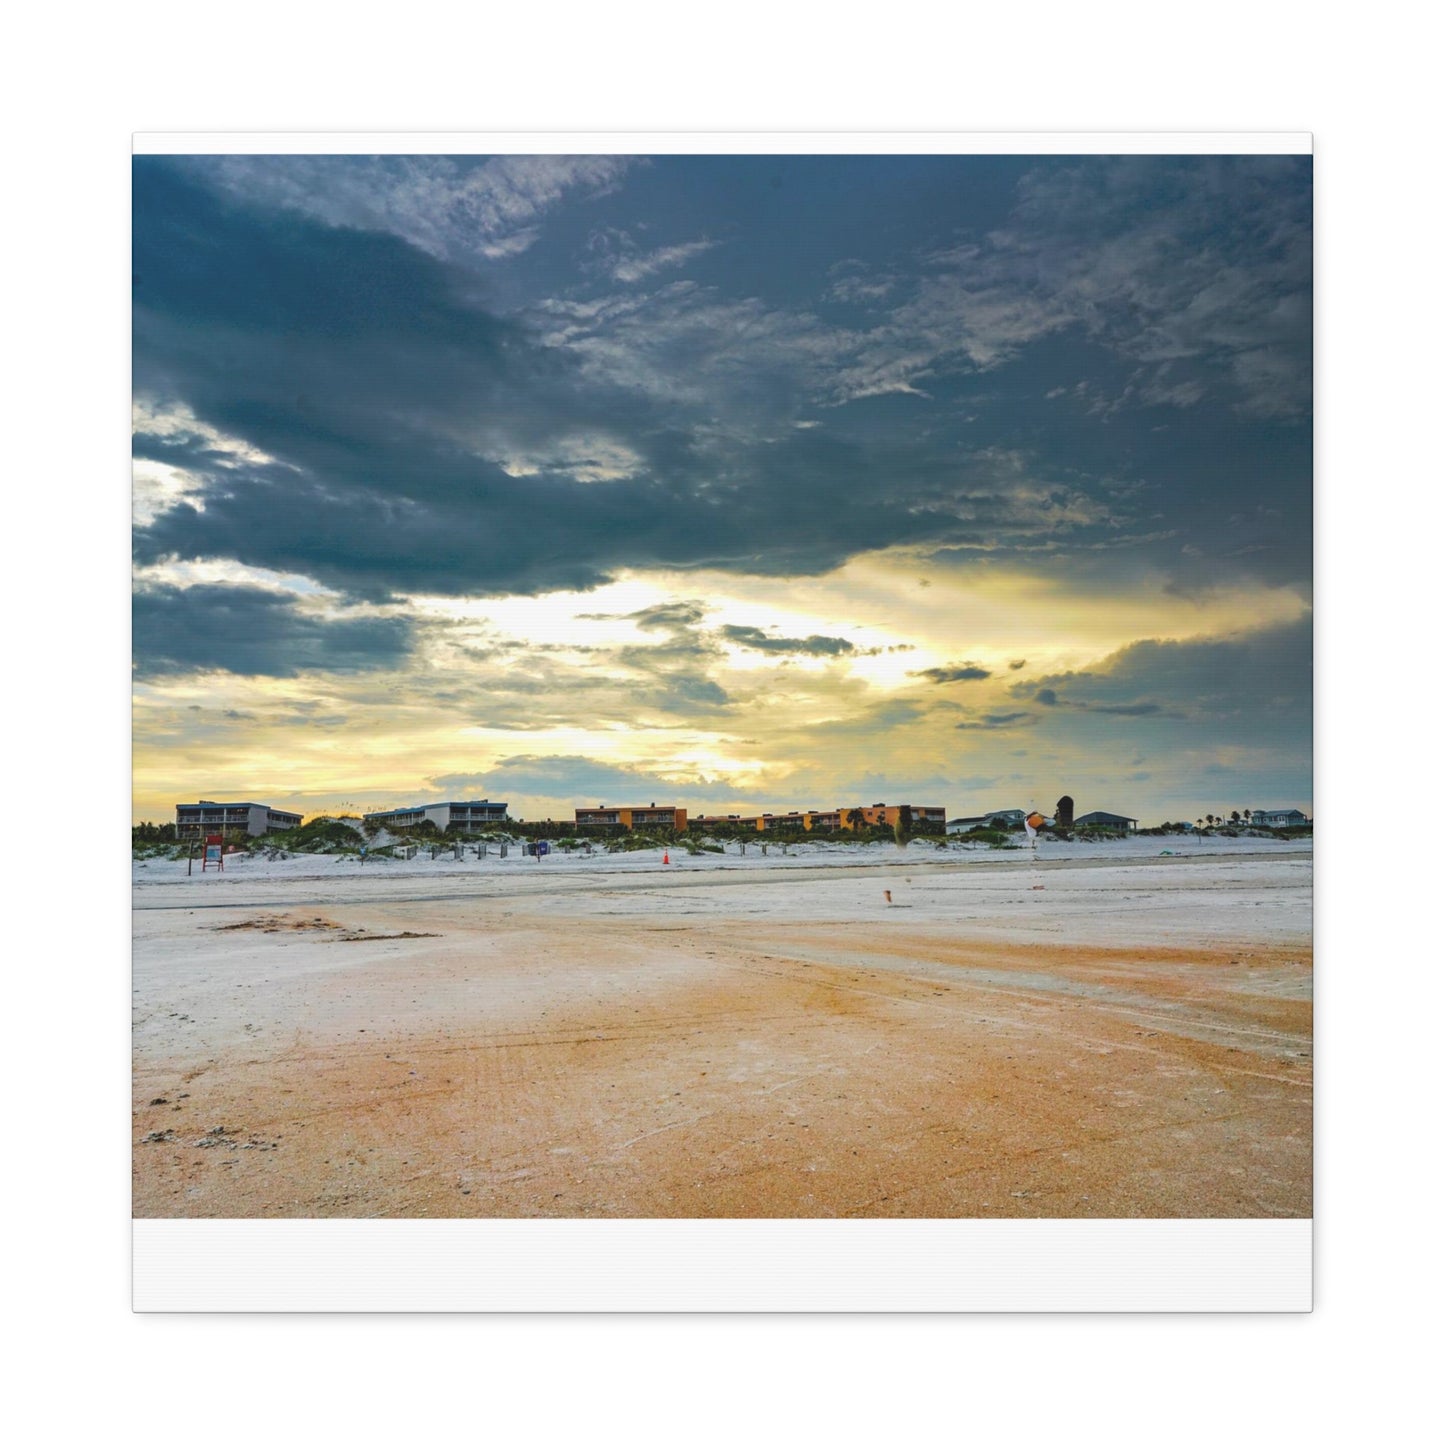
1278,818
465,817
1001,818
195,819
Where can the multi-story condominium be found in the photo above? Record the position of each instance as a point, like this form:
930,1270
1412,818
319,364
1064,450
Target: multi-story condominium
782,822
824,820
464,817
646,819
727,820
885,815
195,819
829,822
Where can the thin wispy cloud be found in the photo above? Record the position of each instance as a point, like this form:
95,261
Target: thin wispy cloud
453,207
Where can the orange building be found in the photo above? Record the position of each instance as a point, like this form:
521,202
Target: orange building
728,820
885,815
782,822
879,815
646,818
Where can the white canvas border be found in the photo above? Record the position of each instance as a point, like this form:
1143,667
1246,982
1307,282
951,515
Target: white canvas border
702,142
717,1266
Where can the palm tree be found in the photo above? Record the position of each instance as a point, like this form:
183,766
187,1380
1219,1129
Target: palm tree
1234,816
856,818
1247,815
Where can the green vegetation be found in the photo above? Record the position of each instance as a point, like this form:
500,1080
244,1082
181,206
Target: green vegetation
320,835
637,842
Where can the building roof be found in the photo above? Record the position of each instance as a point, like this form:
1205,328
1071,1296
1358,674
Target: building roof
1104,818
208,803
419,807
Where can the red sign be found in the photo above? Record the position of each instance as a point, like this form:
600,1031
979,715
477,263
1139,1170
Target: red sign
213,853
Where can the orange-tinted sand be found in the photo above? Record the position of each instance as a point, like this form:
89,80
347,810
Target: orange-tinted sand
729,1051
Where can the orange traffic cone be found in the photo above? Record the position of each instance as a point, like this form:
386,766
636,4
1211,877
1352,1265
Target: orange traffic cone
666,859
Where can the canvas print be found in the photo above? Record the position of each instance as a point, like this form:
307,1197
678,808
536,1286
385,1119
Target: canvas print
722,686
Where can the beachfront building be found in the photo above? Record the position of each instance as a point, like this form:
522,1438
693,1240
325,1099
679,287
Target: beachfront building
714,821
194,820
886,815
633,819
955,826
470,817
1111,822
824,820
1003,819
782,822
1278,818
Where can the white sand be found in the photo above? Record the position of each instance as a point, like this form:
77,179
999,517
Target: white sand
1213,888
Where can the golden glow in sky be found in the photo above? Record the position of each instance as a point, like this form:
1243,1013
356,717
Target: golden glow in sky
643,676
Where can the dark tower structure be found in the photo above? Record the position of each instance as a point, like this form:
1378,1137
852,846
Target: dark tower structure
1064,812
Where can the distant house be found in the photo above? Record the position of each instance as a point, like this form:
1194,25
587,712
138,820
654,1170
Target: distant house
1005,818
194,819
1111,821
1278,818
1001,818
963,825
467,817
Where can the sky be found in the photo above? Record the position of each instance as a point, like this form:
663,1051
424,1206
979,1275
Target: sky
735,482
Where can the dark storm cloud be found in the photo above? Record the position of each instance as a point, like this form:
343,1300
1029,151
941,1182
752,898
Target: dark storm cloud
664,617
756,640
423,440
255,633
965,673
1261,678
993,721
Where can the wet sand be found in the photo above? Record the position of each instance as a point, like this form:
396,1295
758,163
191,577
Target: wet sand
1129,1038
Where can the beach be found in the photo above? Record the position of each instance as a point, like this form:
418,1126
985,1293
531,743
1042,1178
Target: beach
1118,1029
